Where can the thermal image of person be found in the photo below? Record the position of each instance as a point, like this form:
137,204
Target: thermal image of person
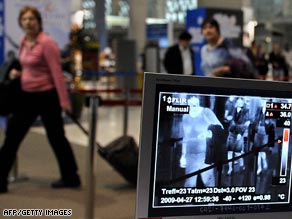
195,132
229,109
264,133
239,122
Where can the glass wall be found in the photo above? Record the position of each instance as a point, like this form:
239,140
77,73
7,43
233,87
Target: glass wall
176,9
272,9
171,10
265,9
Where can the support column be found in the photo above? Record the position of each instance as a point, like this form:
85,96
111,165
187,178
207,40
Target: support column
156,9
75,5
94,22
247,3
137,25
101,23
287,8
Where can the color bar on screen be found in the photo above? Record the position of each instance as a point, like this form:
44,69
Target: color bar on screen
284,158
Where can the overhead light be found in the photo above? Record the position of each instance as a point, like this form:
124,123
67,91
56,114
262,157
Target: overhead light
155,21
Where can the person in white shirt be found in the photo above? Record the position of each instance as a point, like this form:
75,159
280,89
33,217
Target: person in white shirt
179,59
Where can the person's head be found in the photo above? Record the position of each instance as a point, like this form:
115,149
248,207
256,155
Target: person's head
185,39
211,30
30,20
194,101
240,102
194,104
253,44
276,48
10,54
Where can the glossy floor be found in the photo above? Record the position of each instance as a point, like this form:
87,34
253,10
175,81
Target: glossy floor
113,198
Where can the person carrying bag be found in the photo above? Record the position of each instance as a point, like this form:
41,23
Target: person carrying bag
43,95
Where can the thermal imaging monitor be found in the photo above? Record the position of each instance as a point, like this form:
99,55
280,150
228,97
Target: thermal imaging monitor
214,148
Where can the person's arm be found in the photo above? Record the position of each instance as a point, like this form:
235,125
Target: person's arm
211,118
52,57
13,69
182,162
222,70
167,61
193,61
13,74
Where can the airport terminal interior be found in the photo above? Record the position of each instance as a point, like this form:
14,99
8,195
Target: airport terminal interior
114,197
121,29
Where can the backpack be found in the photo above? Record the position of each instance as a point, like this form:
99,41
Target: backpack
240,65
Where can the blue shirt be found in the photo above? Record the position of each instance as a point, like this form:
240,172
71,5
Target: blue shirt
213,58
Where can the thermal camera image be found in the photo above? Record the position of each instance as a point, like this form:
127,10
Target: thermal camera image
237,146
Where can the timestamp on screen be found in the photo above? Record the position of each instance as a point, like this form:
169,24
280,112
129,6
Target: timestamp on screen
176,200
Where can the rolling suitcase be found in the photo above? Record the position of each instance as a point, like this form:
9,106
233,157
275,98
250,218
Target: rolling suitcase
121,153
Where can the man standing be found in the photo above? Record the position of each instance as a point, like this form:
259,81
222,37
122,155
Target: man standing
239,123
215,54
220,57
179,59
279,65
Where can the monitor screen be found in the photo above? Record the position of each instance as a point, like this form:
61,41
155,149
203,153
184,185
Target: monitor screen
214,148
